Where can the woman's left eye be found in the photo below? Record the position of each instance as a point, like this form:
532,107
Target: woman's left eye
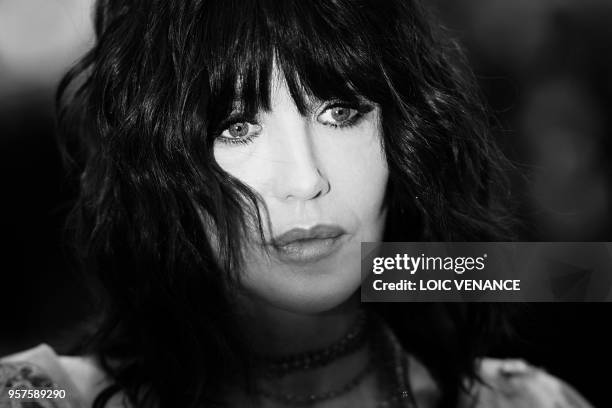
339,116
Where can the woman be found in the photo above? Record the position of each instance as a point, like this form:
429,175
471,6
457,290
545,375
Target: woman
232,156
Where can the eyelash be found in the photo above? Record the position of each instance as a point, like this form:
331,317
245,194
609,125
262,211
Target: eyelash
361,108
235,141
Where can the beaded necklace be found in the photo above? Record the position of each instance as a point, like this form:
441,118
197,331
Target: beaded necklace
387,360
354,339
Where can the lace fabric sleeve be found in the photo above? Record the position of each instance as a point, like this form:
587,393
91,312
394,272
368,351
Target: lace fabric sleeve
26,385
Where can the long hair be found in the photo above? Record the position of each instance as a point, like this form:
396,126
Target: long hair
138,117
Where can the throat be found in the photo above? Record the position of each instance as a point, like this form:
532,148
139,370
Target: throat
276,333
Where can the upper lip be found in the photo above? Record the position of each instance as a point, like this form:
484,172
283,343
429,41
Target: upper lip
320,231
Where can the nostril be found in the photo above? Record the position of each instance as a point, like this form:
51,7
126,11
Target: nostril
306,186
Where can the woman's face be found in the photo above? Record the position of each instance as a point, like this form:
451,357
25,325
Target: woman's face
322,177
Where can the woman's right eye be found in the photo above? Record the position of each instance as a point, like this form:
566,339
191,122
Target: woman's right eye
241,132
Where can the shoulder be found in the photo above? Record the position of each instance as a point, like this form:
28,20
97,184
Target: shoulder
34,377
78,378
503,383
513,383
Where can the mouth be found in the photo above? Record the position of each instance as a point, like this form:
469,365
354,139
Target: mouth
303,246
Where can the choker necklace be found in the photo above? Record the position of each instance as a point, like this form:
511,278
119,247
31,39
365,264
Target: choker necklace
354,339
309,399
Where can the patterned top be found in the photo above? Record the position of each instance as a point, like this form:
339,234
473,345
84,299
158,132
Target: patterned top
73,382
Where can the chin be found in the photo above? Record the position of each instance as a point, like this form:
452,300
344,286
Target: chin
310,295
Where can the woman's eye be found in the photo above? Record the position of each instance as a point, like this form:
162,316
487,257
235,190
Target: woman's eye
339,116
240,132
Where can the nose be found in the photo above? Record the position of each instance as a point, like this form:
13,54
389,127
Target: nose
298,175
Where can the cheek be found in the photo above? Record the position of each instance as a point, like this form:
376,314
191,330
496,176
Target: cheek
236,161
359,174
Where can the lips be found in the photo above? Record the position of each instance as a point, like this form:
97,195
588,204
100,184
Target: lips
301,245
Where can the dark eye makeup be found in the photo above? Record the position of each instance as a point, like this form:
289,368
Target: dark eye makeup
340,114
240,129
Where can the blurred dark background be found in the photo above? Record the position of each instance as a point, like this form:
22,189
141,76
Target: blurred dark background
545,68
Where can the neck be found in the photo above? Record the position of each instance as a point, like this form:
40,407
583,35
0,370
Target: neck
276,332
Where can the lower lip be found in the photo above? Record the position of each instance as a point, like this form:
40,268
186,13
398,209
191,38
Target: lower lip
308,250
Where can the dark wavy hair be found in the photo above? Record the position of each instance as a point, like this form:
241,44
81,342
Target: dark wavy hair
137,120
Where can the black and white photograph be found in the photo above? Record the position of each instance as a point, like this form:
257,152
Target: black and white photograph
305,203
